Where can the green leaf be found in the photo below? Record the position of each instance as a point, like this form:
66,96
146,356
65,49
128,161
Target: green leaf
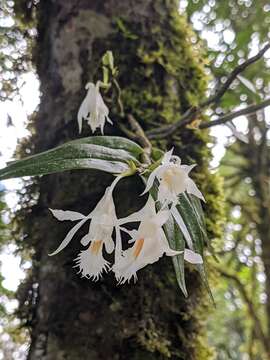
109,154
177,242
191,211
156,154
186,208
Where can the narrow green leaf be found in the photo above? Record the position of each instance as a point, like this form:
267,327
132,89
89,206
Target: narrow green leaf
202,271
60,165
110,154
190,209
177,242
192,221
113,142
197,206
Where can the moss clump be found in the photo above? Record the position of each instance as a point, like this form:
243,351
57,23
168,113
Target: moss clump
171,75
152,339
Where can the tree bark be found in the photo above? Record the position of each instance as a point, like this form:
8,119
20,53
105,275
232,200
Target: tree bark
160,75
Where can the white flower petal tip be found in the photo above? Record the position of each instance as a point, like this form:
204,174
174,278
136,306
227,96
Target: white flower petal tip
85,240
63,215
192,257
167,156
88,85
193,189
93,109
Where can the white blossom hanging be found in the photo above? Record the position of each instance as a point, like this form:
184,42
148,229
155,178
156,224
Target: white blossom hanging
91,262
93,109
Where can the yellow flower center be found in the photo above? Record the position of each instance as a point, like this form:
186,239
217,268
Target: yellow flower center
95,246
167,176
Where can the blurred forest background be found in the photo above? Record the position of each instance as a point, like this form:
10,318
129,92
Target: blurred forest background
231,31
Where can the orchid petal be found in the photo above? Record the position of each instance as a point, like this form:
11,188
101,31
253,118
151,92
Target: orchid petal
85,240
162,217
109,245
141,214
69,237
63,215
193,189
91,264
88,85
171,252
167,157
118,244
109,120
151,179
82,113
187,168
192,257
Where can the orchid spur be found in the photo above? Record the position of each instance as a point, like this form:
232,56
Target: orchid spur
93,109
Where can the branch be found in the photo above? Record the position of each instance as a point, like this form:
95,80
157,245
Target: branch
240,68
136,133
139,133
193,112
234,114
184,120
251,309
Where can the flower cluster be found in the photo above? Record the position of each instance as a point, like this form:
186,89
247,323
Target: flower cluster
148,242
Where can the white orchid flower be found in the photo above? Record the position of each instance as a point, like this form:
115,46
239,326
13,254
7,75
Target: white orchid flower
93,109
173,179
149,240
103,218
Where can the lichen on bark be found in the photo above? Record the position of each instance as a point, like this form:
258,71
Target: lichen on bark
161,74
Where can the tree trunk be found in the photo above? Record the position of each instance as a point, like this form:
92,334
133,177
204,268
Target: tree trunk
161,75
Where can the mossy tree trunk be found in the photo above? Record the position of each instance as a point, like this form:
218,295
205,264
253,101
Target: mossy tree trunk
161,74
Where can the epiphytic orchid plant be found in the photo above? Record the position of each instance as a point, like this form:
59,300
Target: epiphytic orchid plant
170,223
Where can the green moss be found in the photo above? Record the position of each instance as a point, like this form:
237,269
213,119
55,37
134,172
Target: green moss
152,339
163,60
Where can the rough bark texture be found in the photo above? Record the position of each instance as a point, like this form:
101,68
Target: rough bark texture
160,75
